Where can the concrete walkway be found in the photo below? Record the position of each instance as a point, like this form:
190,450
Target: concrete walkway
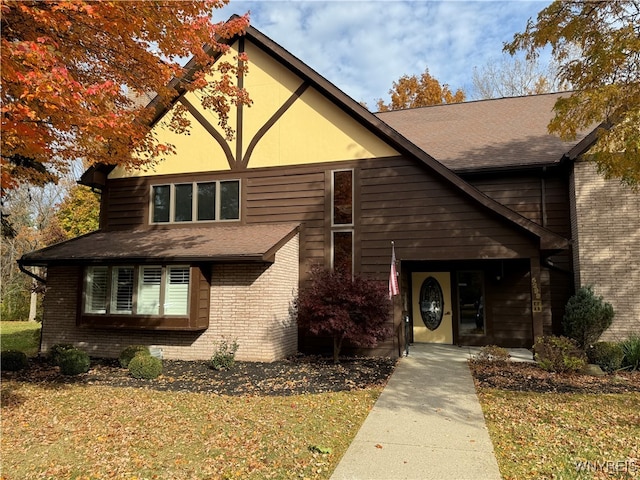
426,424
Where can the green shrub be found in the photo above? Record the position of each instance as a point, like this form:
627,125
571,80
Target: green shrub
559,354
57,350
74,362
145,367
608,356
131,351
631,349
13,360
586,317
224,356
492,353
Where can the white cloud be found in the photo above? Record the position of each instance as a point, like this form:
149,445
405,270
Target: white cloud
363,46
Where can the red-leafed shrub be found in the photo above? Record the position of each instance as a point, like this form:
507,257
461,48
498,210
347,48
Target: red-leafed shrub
333,304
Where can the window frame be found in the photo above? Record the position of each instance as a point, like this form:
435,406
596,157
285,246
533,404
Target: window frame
197,302
194,202
111,302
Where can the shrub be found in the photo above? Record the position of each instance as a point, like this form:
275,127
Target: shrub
631,349
492,353
559,354
131,351
224,356
145,367
74,362
334,304
13,360
57,350
608,356
586,317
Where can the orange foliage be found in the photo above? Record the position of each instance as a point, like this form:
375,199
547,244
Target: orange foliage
72,71
413,92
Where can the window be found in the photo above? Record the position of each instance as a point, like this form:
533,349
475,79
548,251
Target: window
199,202
140,290
471,307
341,217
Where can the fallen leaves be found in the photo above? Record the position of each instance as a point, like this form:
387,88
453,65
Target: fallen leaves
289,419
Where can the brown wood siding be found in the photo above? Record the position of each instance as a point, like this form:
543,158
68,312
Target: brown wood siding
125,204
290,195
524,193
403,202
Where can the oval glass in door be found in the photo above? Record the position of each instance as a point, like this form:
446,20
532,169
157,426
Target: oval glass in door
431,303
431,307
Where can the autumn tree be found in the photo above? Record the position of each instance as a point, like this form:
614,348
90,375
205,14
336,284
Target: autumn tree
513,77
79,212
334,304
605,77
73,70
413,91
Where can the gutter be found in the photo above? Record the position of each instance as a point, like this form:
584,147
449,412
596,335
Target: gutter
31,274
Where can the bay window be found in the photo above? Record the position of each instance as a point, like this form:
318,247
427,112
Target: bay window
155,290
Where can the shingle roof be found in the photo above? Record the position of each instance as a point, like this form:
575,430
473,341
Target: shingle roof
499,133
224,243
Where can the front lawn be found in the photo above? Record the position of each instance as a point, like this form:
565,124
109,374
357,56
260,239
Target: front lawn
561,426
22,336
91,432
564,435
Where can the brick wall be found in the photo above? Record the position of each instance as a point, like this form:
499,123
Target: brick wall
606,233
250,303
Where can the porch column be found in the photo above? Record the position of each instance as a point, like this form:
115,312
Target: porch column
536,298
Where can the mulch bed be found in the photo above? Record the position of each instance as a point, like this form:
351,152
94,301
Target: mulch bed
313,374
521,376
296,375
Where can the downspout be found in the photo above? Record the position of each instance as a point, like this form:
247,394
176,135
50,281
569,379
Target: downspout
543,199
37,278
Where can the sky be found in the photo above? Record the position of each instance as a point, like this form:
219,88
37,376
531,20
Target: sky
364,46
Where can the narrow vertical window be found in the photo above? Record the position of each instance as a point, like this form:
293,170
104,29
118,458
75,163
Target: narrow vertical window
161,203
122,290
343,197
230,200
206,201
177,291
183,202
343,251
149,290
96,291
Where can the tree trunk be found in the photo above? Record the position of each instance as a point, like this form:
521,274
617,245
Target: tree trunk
337,345
33,306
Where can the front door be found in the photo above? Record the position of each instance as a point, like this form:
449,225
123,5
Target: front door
432,312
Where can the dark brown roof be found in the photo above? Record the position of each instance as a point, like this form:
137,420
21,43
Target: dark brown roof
499,133
224,243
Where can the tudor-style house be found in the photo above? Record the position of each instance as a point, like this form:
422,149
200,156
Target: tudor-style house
494,222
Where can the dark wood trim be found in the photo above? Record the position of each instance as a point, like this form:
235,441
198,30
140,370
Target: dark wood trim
271,122
240,114
210,129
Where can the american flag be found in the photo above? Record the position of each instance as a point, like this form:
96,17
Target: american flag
393,274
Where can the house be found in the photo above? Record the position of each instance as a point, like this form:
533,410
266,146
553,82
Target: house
492,220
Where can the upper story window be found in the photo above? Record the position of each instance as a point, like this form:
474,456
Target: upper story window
195,202
342,197
342,220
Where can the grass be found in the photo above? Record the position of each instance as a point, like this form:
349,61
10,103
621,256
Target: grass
547,435
22,336
92,432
